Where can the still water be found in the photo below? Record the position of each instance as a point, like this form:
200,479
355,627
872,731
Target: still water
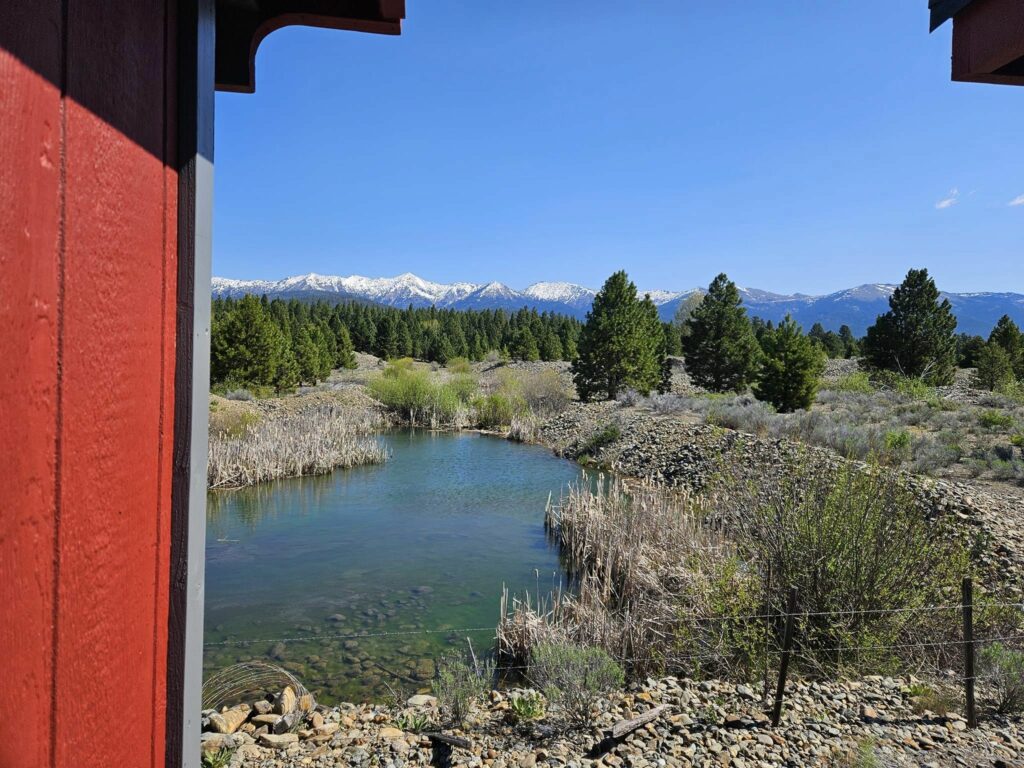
358,580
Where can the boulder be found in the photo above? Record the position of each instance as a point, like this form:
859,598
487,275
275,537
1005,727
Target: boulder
278,740
286,701
422,700
263,707
214,742
285,723
268,720
229,720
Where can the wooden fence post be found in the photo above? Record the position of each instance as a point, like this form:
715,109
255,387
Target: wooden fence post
967,594
787,648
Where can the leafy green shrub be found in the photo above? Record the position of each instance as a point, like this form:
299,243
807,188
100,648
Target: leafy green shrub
1004,668
459,365
495,410
850,540
915,389
574,677
525,706
464,386
218,759
858,381
416,396
993,419
897,445
1013,391
413,722
458,682
602,438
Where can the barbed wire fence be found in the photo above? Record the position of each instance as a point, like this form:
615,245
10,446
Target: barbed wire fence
956,656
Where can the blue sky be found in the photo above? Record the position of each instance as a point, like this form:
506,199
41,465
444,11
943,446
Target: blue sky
797,146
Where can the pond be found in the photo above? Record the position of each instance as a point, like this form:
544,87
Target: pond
359,580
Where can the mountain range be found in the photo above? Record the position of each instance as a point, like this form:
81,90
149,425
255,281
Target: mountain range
856,307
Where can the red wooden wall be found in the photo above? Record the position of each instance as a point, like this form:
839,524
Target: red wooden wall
88,223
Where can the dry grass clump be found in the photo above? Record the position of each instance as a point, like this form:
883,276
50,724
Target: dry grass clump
643,564
313,441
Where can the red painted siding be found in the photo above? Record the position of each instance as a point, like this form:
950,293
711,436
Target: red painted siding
87,301
30,160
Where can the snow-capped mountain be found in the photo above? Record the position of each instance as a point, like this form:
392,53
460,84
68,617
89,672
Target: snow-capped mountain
857,307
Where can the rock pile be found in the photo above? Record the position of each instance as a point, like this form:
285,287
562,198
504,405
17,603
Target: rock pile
275,722
707,723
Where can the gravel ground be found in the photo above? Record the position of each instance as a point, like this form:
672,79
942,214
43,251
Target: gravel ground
707,723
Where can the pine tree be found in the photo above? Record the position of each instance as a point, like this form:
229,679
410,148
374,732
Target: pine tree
994,367
968,348
673,340
851,347
286,378
307,356
917,336
550,346
621,344
1007,335
246,345
523,345
791,369
345,357
719,347
388,340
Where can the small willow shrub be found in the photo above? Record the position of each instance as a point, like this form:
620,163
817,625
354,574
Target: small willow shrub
574,677
458,682
1004,668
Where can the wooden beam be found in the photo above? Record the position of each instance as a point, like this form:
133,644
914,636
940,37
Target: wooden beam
988,43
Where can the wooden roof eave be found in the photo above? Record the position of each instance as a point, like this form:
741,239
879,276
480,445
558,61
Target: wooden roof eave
242,25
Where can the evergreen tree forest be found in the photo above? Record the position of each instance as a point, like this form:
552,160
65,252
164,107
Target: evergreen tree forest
279,345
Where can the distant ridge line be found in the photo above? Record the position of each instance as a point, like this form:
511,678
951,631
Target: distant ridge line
857,307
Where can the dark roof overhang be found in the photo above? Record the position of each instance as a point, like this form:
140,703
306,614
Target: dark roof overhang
944,10
988,39
242,25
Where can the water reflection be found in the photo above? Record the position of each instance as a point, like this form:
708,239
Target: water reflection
300,571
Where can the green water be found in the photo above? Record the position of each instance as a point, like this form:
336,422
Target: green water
400,555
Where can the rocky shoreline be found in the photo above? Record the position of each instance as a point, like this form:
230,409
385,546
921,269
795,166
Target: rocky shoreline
877,721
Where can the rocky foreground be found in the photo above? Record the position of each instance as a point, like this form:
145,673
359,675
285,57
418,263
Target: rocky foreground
872,722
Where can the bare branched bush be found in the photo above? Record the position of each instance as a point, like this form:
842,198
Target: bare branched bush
543,393
310,442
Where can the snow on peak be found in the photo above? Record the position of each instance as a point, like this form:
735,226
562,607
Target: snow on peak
558,291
